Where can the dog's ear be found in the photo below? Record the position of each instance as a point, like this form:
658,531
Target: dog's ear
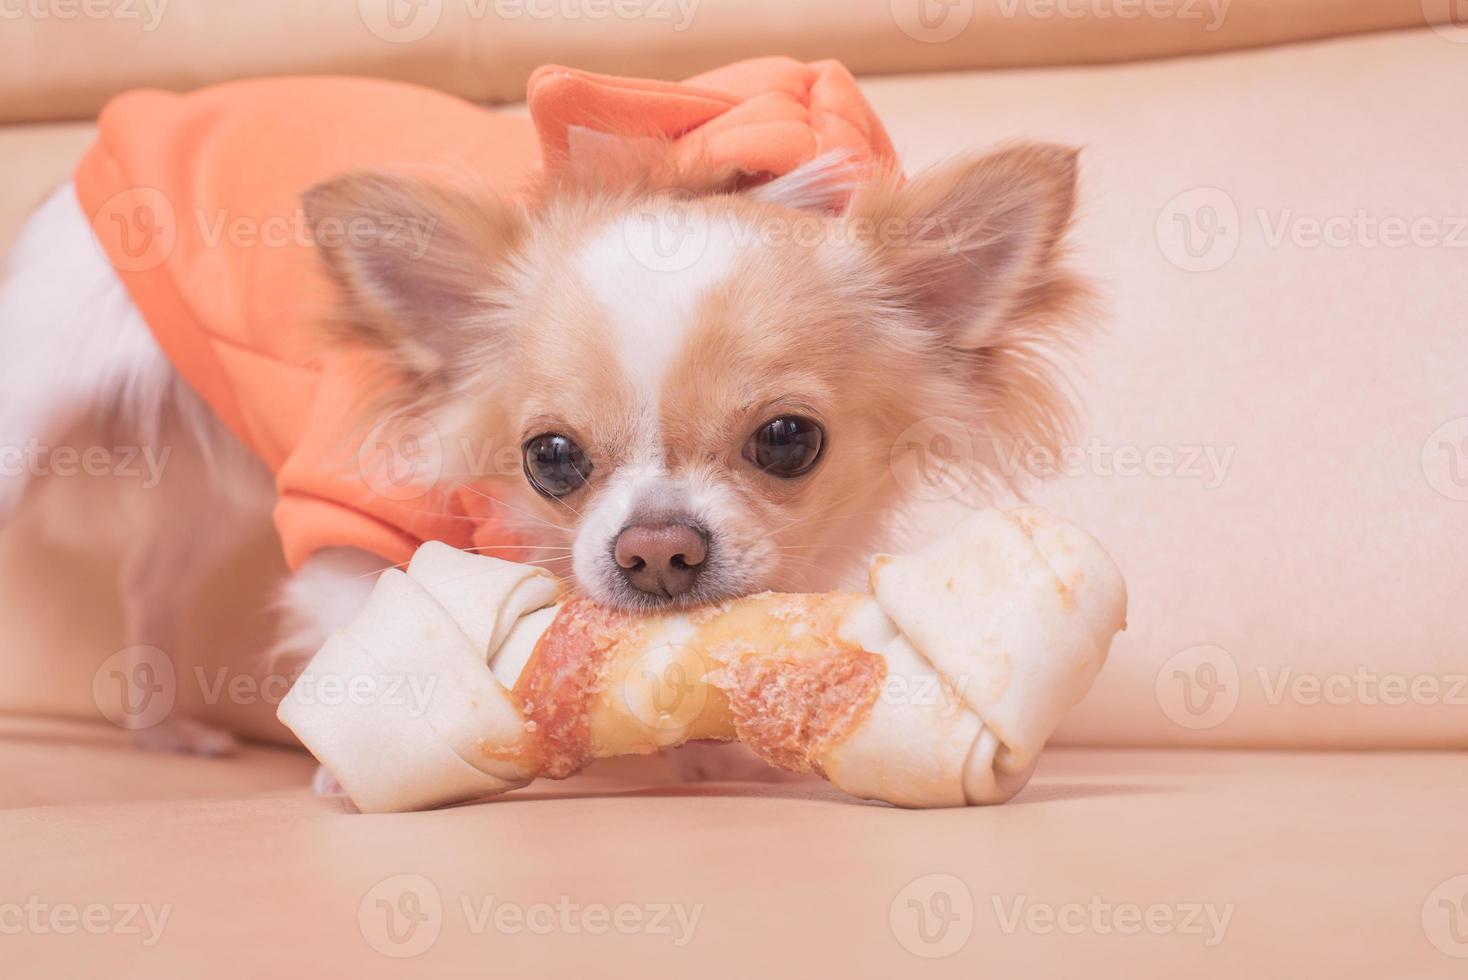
416,263
973,252
974,245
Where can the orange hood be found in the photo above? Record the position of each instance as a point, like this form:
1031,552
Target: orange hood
195,200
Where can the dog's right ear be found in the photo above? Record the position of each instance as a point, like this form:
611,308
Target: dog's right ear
417,263
973,246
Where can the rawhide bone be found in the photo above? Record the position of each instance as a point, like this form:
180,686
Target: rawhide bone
466,676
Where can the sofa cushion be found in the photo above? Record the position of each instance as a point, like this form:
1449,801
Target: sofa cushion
1135,863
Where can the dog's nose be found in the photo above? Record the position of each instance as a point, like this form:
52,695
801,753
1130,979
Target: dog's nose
661,560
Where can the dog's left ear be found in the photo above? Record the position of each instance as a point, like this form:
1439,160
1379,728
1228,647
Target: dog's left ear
415,263
974,245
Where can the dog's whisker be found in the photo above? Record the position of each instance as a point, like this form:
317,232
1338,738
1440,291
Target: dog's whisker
809,522
519,547
499,502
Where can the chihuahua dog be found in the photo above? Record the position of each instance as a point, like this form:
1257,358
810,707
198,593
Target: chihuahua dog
719,420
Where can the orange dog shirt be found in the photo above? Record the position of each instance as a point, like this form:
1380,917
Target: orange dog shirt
195,200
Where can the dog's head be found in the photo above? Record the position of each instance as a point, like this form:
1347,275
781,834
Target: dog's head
703,387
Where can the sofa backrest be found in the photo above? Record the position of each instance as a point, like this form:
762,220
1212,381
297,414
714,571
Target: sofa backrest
64,59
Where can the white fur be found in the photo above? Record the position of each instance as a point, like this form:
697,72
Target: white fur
630,486
645,488
72,337
78,349
323,597
648,271
823,184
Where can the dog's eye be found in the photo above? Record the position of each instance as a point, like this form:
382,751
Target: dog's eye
555,465
787,446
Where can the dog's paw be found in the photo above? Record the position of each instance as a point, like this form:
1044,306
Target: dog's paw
186,737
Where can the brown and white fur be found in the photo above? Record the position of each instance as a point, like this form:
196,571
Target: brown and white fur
940,297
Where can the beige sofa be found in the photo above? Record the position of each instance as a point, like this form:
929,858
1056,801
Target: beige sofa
1270,777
